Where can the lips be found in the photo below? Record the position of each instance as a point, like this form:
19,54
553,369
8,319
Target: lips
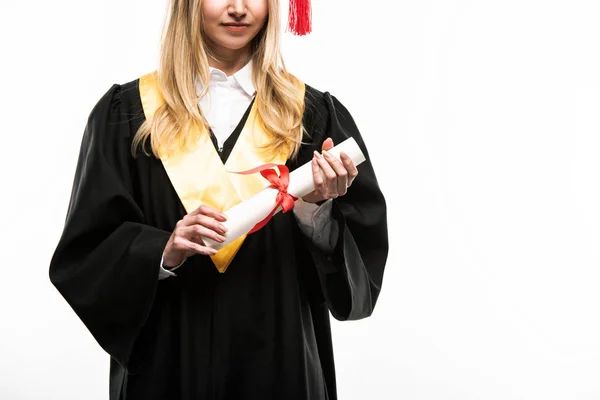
235,25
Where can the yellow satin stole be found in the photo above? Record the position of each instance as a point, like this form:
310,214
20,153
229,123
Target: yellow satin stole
200,177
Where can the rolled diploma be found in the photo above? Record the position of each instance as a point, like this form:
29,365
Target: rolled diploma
242,217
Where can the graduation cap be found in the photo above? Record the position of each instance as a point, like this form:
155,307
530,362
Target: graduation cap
299,17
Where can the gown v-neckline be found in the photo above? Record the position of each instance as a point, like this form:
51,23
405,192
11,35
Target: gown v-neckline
230,143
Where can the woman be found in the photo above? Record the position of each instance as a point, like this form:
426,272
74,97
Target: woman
179,320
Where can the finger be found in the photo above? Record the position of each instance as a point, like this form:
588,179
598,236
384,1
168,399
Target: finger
327,144
207,222
340,171
183,244
317,176
320,180
330,175
196,232
209,211
204,220
350,167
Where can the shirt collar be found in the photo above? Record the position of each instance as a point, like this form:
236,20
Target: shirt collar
243,77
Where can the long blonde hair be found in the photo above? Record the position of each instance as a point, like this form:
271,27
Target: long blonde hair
279,97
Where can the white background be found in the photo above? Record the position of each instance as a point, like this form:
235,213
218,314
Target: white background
483,121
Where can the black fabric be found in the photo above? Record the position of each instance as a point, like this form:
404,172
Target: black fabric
225,150
259,331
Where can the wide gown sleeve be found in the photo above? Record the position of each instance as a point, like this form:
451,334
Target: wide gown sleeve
107,260
351,277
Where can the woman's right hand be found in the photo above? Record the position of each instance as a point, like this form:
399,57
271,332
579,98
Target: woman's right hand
186,239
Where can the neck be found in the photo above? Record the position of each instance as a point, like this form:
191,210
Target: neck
227,60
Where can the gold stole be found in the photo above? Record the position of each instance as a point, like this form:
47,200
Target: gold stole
200,177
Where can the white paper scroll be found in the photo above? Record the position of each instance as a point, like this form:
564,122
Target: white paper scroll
244,216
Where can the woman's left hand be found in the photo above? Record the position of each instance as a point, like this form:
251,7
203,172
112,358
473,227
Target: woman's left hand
332,178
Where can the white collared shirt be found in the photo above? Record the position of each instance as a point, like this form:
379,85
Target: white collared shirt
224,105
227,100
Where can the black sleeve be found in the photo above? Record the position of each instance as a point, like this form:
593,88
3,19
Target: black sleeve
351,278
107,261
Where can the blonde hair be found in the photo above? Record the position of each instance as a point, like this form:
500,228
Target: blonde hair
279,97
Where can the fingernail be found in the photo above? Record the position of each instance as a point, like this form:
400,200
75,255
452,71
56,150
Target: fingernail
317,155
223,228
220,239
326,154
224,216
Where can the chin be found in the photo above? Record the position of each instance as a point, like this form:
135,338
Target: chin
234,44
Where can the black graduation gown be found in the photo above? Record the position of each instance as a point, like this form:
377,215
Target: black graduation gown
258,331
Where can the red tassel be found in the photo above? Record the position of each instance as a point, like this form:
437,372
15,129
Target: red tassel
299,17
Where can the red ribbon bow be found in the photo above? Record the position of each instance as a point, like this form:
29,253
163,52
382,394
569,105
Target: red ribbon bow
279,182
